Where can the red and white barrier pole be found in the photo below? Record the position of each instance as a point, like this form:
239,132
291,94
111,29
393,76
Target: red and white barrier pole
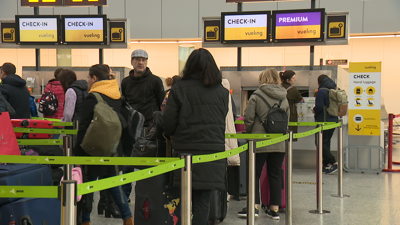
390,145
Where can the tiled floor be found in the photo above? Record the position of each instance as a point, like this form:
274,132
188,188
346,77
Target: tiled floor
374,199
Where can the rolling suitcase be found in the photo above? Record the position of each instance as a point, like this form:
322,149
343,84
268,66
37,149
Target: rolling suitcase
218,206
29,123
31,211
264,186
156,203
24,175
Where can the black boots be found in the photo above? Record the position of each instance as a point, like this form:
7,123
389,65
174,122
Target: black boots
107,205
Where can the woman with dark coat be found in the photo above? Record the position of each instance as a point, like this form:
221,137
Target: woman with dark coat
195,117
98,81
293,96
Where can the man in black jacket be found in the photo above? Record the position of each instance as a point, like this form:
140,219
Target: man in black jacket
15,92
144,91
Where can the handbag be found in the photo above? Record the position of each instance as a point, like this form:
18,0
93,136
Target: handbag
76,175
145,148
8,141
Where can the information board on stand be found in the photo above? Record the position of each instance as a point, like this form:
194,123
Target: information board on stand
365,99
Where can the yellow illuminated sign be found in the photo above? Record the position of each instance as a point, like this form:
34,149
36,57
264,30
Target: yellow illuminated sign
336,29
117,34
8,34
212,33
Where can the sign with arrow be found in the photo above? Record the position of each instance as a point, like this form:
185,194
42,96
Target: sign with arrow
365,89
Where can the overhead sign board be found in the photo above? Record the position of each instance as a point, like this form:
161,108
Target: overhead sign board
337,25
298,25
41,3
8,32
211,31
86,29
37,29
84,2
117,32
365,98
242,27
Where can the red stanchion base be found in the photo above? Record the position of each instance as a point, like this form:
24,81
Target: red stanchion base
397,163
390,170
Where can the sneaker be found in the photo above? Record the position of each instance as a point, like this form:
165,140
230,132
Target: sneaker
273,214
243,213
332,169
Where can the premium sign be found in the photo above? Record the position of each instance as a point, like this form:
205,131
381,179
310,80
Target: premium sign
38,30
83,29
298,25
245,27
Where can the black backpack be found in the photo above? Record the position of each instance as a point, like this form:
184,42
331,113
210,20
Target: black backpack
48,104
277,120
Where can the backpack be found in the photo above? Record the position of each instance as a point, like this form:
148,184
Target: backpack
135,121
277,119
48,103
104,132
337,102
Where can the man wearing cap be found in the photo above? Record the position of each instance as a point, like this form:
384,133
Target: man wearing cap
142,89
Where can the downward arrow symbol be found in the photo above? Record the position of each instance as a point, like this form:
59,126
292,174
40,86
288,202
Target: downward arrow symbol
358,128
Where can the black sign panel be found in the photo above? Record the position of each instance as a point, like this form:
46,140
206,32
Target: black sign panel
117,32
8,33
212,31
84,2
336,27
41,3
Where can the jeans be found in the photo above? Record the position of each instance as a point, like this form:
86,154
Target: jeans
127,188
274,162
119,198
327,156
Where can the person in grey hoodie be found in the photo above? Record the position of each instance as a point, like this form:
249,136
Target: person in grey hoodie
15,92
272,91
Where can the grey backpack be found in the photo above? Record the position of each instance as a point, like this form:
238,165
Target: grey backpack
104,132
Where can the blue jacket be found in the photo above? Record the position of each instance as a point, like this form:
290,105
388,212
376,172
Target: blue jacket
322,100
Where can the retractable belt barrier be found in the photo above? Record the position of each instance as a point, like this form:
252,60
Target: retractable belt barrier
161,165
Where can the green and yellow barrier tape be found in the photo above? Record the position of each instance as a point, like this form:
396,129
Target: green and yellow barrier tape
332,126
272,141
28,191
44,131
49,119
297,123
40,141
252,136
56,122
307,133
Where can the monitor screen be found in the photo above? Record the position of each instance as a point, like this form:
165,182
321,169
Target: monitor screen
298,25
37,29
87,29
245,27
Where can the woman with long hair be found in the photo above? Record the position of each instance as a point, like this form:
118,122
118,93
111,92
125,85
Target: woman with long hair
100,81
195,117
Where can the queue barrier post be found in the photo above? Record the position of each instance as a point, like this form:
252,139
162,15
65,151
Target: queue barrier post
68,153
340,161
319,173
390,145
186,188
251,176
289,173
68,202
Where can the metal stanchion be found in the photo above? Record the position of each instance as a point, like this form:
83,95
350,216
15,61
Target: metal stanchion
289,170
75,136
186,188
68,152
340,162
251,182
68,202
319,175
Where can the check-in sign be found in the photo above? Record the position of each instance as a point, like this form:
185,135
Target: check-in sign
84,30
38,30
246,27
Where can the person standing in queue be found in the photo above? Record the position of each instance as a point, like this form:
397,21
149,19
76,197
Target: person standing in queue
100,81
195,116
143,91
293,96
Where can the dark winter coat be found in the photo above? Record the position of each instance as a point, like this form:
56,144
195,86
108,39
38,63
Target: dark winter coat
293,96
195,116
322,99
86,118
16,93
80,87
144,93
56,87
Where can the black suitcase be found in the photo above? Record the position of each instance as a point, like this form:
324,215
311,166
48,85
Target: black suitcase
155,202
218,206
